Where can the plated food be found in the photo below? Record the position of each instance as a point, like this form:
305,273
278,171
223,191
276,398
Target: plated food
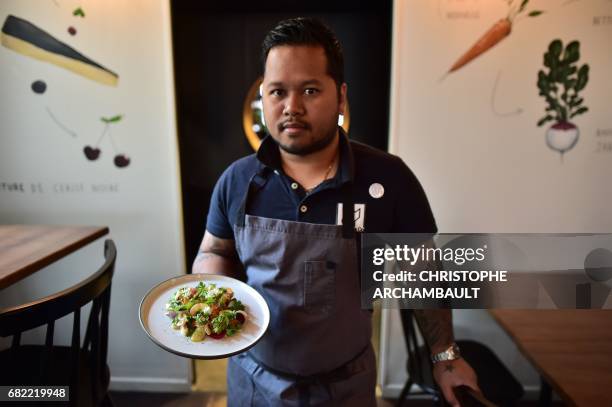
165,316
205,310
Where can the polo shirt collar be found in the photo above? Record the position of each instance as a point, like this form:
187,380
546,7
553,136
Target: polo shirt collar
269,155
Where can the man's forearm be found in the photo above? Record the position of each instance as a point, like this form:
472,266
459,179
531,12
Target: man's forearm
437,328
213,263
218,256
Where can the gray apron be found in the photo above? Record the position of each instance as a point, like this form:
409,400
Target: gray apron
317,349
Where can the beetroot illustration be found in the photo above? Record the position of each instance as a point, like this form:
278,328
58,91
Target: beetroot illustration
560,87
562,136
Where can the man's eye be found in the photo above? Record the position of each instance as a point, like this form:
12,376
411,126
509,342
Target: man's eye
276,92
311,91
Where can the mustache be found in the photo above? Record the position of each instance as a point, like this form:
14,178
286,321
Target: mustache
299,123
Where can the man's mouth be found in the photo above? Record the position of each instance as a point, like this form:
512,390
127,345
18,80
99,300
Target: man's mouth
293,127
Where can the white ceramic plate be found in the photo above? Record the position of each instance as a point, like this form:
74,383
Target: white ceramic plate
157,325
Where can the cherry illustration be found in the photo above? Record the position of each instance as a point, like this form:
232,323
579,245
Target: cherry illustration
122,161
72,30
91,153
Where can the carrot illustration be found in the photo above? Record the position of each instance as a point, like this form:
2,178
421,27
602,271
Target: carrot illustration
498,32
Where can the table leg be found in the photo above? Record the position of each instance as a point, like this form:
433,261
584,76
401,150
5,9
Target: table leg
545,393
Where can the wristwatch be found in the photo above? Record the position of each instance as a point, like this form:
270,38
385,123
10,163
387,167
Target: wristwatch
451,353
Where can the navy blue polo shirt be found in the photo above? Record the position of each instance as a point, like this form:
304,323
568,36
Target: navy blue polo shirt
401,208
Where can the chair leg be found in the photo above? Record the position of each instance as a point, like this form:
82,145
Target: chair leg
404,394
545,393
107,401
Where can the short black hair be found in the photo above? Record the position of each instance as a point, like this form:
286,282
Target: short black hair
307,31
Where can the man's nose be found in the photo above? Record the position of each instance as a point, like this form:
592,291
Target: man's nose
294,105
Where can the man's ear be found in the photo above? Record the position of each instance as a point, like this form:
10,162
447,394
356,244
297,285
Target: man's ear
342,98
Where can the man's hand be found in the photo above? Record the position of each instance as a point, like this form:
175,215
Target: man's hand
454,373
437,328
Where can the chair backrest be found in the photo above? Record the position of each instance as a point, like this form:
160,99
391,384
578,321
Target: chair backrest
418,363
95,289
36,313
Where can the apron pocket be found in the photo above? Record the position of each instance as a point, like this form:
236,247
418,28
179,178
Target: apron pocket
319,286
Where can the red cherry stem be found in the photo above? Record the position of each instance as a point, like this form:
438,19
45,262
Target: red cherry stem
102,136
112,142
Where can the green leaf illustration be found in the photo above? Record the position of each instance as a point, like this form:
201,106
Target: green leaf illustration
523,5
535,13
113,119
78,12
543,83
572,52
555,47
583,77
582,110
545,119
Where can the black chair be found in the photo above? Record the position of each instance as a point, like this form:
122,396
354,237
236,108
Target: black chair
82,368
496,382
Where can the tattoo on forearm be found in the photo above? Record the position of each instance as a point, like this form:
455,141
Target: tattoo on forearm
204,256
436,326
215,252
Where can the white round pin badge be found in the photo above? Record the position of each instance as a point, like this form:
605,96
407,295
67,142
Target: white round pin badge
376,190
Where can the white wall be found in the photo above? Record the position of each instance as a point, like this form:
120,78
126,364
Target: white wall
141,203
479,154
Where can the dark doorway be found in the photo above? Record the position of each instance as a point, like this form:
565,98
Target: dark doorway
216,59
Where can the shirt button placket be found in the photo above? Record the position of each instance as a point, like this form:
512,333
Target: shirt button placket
303,208
294,185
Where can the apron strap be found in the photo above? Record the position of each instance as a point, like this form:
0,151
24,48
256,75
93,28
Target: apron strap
348,212
348,228
256,182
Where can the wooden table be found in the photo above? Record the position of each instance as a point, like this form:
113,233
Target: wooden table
25,249
572,350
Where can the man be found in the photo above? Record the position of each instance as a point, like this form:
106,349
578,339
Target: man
282,220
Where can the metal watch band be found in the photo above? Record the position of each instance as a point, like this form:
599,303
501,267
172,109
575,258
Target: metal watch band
451,353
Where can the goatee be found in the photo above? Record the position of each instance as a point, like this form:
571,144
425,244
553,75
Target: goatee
311,148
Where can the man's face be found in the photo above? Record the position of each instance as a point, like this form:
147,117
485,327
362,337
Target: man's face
301,101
